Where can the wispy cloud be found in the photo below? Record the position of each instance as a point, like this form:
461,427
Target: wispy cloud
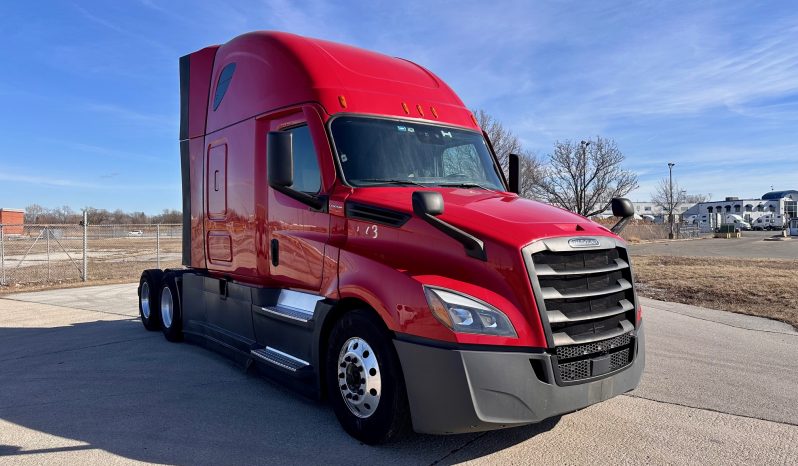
40,180
106,151
125,113
114,26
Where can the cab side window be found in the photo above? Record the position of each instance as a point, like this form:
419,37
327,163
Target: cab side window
307,175
224,82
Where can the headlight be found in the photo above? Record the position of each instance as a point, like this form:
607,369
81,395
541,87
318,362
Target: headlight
463,314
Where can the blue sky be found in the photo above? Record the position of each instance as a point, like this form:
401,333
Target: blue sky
90,89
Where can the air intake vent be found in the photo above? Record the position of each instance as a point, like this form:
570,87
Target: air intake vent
373,214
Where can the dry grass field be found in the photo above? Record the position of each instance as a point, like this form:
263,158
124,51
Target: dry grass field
30,264
759,287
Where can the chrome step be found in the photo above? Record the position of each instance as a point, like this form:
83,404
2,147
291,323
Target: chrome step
280,359
293,313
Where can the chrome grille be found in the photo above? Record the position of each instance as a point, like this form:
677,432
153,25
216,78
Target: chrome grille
587,303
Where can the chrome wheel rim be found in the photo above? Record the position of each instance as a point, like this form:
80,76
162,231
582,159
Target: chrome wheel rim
359,379
145,300
166,307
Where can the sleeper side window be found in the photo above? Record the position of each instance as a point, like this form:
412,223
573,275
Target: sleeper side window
307,175
223,84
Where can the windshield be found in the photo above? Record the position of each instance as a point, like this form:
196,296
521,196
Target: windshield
379,152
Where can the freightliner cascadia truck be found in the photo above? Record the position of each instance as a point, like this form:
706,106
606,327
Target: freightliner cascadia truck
348,231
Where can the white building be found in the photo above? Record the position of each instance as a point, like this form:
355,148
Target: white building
655,213
774,209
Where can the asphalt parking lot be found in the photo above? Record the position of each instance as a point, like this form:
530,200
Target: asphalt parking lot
82,382
751,245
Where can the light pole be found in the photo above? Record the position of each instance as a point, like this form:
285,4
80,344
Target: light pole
670,197
583,169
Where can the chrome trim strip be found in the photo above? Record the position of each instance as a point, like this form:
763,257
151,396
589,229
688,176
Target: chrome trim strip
294,305
560,244
552,293
298,300
556,317
563,339
544,270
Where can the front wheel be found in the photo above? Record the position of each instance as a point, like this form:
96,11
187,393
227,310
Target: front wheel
364,380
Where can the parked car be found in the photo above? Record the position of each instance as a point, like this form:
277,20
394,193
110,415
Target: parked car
135,233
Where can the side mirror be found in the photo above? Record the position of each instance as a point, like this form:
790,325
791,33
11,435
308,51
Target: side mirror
280,165
279,159
515,173
621,207
427,202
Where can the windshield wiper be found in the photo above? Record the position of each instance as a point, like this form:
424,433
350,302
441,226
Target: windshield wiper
466,185
390,181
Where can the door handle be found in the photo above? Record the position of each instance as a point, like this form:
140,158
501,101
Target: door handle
275,252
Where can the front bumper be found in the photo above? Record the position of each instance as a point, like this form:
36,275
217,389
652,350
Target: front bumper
456,391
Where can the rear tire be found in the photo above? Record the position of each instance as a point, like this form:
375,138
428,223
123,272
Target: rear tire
171,314
149,296
363,370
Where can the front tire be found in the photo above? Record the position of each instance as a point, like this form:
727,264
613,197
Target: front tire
149,308
364,380
171,313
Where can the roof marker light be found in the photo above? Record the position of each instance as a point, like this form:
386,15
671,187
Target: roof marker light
420,109
434,112
342,101
474,119
405,108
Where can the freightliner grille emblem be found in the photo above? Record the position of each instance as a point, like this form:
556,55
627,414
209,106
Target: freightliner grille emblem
583,242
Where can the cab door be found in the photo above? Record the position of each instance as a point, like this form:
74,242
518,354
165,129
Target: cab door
297,233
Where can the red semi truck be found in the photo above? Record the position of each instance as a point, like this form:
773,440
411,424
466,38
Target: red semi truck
347,229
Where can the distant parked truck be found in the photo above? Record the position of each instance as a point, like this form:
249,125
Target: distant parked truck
737,221
768,222
349,231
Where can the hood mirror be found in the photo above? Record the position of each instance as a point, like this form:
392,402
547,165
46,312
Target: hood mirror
428,205
621,207
427,202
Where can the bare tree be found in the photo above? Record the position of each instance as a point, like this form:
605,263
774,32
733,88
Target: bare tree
504,143
584,177
531,172
668,197
33,212
696,198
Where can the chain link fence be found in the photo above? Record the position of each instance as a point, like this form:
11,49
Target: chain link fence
634,232
52,254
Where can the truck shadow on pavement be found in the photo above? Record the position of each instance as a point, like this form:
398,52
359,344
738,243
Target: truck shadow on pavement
112,386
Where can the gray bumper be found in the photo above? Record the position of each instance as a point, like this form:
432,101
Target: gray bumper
455,391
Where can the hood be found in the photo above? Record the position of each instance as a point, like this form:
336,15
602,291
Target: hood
503,217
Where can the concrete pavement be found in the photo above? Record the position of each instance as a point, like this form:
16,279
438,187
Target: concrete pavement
751,246
82,382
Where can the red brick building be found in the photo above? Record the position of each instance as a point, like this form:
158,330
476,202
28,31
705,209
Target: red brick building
12,220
